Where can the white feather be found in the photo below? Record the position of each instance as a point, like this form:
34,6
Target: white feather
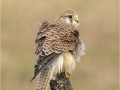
65,63
67,19
58,66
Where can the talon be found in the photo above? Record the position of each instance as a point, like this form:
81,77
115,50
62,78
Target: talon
67,74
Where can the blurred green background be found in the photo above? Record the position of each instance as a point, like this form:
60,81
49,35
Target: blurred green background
98,69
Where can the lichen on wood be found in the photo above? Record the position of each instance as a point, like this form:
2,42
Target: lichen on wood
61,83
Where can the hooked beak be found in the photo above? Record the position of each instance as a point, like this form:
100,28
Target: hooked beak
75,18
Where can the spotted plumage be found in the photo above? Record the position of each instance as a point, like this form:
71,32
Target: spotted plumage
58,47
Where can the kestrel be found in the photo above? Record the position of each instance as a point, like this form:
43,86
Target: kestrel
58,47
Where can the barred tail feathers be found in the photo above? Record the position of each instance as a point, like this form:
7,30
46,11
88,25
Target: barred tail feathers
45,77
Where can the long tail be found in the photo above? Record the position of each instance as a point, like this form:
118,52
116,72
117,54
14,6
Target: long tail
45,77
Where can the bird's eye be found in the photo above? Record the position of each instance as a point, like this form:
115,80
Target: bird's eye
70,16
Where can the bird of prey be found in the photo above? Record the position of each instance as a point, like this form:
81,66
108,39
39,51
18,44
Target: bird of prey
58,47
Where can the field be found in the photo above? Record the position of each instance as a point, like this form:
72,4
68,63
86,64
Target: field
98,69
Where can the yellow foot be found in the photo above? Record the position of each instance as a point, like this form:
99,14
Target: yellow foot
66,73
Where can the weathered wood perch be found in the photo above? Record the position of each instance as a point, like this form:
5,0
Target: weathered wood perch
61,83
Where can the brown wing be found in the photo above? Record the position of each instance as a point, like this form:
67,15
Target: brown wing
53,38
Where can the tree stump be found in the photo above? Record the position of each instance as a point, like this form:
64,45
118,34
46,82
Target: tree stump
61,83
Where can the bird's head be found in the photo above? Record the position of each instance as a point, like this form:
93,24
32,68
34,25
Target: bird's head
70,17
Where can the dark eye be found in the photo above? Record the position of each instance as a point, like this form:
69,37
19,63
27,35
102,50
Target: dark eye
70,16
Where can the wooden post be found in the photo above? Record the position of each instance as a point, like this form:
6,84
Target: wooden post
61,83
